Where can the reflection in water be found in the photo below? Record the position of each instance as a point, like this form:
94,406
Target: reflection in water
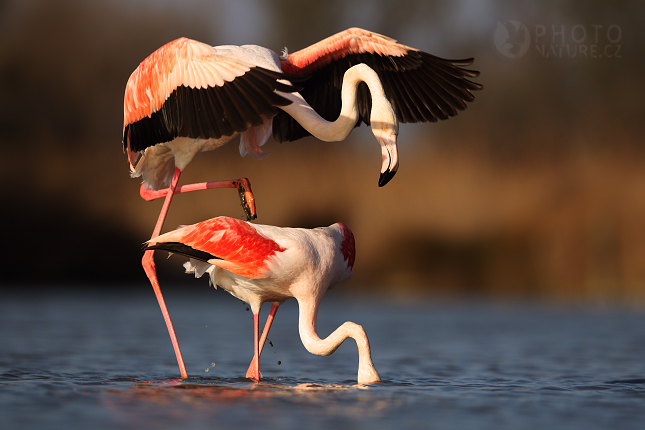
222,398
232,388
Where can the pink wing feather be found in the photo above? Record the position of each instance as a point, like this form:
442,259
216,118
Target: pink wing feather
180,62
350,41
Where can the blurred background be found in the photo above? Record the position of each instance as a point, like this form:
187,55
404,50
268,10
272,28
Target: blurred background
535,192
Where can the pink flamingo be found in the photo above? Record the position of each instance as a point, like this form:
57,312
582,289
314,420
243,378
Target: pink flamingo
188,97
261,263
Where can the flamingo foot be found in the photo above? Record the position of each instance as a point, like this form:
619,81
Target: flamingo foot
254,370
247,199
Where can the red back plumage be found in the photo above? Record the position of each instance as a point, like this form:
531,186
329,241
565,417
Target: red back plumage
236,242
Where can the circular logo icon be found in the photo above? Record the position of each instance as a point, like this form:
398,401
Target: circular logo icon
512,39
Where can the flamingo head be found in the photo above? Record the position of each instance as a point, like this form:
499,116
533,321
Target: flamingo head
385,127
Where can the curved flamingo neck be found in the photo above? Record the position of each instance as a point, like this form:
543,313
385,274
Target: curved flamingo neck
308,312
337,130
383,122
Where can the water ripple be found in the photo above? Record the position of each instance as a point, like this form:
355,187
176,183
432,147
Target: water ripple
486,367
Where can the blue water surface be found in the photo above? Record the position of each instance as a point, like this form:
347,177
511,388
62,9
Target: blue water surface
102,359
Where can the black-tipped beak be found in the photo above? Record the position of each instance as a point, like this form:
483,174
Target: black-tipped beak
386,177
389,156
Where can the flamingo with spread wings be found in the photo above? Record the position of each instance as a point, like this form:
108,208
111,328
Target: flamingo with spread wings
188,97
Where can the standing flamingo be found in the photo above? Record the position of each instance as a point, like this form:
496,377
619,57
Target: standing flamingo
261,263
189,97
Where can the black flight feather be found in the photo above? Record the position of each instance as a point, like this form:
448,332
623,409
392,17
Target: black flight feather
182,249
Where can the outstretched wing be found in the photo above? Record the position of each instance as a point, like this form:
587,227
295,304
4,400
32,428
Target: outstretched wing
187,89
229,243
420,86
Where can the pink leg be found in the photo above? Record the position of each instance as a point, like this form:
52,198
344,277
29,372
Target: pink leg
255,372
243,187
149,267
265,333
